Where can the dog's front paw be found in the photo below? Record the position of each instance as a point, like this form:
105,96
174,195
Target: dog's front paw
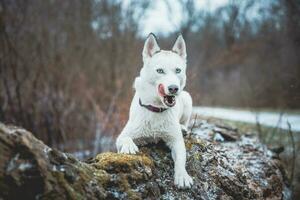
127,146
182,179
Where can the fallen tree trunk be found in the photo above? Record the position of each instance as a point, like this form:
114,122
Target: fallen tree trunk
240,168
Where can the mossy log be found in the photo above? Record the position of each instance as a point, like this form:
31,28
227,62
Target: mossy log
241,169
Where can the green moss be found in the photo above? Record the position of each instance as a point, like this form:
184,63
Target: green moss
190,142
69,190
123,183
197,156
121,162
130,170
132,195
102,177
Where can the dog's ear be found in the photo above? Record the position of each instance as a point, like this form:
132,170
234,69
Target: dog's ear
179,47
150,47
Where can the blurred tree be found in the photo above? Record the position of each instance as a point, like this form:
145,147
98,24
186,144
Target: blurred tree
67,67
58,55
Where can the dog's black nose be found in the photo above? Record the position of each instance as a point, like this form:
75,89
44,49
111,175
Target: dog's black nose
173,89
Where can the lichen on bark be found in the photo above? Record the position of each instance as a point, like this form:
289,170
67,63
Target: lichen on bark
237,167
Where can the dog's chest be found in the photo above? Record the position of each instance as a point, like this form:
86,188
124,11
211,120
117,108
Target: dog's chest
157,125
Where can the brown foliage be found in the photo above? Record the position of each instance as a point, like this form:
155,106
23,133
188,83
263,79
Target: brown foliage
67,67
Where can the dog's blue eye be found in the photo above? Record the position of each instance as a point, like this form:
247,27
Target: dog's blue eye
178,70
160,71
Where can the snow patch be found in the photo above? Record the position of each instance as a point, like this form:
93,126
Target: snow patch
271,119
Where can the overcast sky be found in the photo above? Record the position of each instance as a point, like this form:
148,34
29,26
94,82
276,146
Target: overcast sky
157,19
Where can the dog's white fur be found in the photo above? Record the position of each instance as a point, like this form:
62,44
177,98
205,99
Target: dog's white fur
144,124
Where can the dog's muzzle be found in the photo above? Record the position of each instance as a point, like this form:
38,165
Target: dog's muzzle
168,100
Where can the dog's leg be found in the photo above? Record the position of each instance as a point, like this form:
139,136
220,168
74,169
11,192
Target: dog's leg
125,143
187,110
181,177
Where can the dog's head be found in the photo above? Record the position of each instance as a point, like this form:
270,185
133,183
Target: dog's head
164,70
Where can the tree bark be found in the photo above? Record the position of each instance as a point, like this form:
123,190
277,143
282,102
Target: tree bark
239,168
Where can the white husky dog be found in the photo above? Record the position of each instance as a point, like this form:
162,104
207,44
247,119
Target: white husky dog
160,108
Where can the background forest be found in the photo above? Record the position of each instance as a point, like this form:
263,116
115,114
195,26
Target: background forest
67,67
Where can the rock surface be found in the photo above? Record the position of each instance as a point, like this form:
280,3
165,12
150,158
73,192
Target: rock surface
223,164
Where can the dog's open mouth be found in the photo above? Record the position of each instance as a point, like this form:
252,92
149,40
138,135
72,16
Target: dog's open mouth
169,100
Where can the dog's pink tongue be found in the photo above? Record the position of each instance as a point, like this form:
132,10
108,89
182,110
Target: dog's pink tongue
161,90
